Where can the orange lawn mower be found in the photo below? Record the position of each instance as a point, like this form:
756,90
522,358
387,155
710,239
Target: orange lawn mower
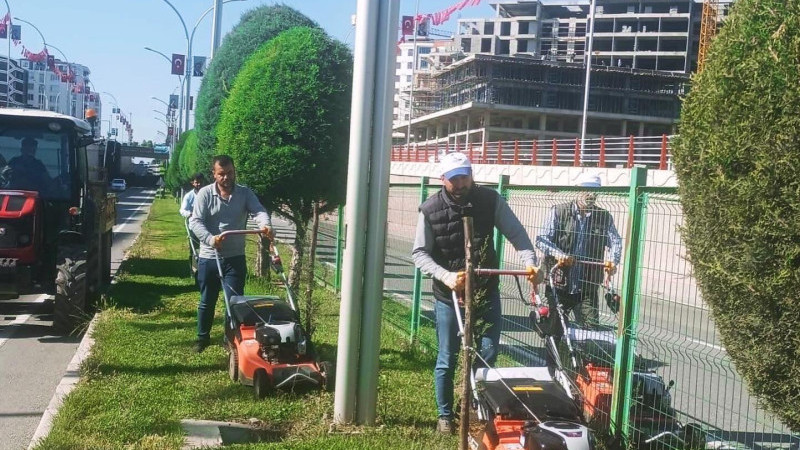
268,349
524,407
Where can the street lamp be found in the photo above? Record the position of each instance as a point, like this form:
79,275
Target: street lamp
180,102
189,39
8,62
116,105
587,59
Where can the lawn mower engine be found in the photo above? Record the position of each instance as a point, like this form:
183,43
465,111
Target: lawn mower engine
281,341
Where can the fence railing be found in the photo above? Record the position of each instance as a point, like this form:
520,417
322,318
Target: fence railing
668,331
649,151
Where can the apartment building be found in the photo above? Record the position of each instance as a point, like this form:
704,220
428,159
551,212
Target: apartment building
47,91
13,82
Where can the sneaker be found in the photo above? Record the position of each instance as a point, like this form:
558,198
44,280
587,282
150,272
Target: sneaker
201,344
445,425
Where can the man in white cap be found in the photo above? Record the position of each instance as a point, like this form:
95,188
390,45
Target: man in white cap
580,230
439,252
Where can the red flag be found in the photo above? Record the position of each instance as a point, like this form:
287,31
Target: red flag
178,64
408,25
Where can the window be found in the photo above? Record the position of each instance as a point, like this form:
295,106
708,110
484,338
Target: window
397,78
41,78
505,29
486,45
398,66
410,65
424,50
466,45
30,97
52,77
488,28
423,64
522,45
408,78
523,27
410,52
396,104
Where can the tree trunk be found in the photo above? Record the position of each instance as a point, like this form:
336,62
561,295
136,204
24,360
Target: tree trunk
295,269
466,361
262,258
312,252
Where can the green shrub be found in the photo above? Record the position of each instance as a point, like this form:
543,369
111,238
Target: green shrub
187,163
737,159
174,178
286,124
254,28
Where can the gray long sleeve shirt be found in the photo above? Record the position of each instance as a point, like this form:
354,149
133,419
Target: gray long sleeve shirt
504,219
211,215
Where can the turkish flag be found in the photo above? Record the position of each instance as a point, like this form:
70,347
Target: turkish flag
178,64
408,25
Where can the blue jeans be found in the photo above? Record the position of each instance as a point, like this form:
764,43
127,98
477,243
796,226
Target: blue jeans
234,272
450,344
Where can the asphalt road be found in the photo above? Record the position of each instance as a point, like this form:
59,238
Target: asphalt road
32,359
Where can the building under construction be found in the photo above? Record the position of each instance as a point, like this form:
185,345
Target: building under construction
524,74
485,98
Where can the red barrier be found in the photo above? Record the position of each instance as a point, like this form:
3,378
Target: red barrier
534,156
516,153
577,158
662,164
554,157
500,152
630,152
471,153
602,162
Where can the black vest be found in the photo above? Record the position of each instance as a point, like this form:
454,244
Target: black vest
444,217
566,237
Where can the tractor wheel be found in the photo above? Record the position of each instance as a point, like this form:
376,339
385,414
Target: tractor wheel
233,364
262,385
70,300
328,375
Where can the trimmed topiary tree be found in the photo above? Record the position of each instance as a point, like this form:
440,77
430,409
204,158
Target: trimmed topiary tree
187,163
737,159
286,124
174,177
254,29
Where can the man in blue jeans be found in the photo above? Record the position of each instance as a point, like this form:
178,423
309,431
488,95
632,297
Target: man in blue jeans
222,206
439,252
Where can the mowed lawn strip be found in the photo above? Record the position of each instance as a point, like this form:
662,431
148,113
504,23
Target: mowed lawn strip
143,378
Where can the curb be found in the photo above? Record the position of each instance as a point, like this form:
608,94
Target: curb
67,384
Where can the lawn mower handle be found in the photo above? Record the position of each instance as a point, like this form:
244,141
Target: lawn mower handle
234,232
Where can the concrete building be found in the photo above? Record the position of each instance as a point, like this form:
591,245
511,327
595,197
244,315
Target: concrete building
638,34
47,91
431,55
18,81
485,98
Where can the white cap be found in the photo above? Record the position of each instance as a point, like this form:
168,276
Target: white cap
453,164
587,179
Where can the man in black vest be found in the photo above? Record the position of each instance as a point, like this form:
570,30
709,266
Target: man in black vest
439,253
580,230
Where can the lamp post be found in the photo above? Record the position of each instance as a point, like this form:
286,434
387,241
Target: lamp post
116,105
189,39
587,59
8,62
181,79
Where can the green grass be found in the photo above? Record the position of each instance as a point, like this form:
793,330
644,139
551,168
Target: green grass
143,378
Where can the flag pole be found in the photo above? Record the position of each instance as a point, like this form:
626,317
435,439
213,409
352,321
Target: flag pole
413,73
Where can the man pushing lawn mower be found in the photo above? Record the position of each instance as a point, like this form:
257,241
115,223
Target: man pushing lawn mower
439,252
219,207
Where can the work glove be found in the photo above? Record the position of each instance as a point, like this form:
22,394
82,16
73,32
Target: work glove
566,261
534,274
612,300
610,268
268,233
455,281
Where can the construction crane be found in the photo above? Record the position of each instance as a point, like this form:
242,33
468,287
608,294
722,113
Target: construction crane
708,29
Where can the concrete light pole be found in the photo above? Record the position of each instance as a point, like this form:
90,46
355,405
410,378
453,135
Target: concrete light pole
8,62
587,59
181,79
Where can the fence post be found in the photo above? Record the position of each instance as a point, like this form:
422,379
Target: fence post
516,152
662,164
416,153
554,157
471,154
416,295
629,308
499,240
630,152
499,152
577,158
602,161
340,233
534,156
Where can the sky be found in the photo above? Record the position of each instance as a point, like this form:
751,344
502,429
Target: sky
109,36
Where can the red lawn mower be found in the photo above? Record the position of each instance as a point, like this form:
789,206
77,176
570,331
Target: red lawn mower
268,349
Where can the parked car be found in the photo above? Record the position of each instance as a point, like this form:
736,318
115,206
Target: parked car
118,184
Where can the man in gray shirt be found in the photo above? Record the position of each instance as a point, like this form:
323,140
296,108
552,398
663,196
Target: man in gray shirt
439,252
222,206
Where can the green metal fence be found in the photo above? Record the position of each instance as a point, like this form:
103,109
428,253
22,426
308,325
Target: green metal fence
664,332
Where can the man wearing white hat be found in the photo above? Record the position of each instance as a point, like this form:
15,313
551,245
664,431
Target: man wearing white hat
439,252
580,230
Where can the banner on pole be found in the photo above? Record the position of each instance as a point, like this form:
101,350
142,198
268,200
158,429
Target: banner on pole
198,66
178,64
173,101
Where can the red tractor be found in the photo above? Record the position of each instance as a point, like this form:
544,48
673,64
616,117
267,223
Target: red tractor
56,218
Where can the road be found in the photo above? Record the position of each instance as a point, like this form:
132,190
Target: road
32,360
